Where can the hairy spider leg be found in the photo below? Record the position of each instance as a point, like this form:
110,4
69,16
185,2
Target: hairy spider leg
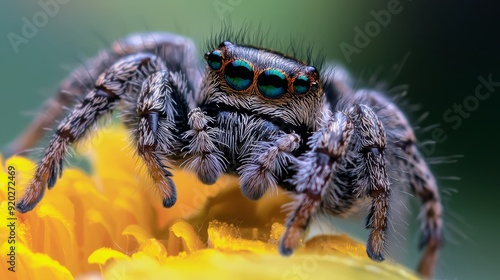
152,119
346,140
103,98
314,170
416,173
179,50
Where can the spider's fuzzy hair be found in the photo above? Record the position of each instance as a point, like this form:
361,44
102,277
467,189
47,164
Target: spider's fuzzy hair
252,35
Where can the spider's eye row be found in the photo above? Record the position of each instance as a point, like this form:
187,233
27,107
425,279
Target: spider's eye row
239,74
301,84
214,59
272,83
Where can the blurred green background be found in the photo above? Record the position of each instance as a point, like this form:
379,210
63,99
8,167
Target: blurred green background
445,47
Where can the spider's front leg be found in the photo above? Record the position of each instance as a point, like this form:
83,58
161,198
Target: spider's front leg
156,119
109,89
328,149
348,145
177,51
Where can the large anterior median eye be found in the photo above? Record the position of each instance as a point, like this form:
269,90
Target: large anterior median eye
272,83
214,59
238,74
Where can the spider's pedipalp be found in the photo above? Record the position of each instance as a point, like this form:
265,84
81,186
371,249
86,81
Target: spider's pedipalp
108,90
204,156
265,164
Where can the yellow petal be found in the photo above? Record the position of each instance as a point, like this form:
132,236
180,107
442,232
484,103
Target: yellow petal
223,236
85,222
333,244
30,265
110,154
186,231
147,246
102,255
137,232
53,235
211,264
151,248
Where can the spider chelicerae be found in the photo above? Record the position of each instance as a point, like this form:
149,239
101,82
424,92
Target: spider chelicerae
269,118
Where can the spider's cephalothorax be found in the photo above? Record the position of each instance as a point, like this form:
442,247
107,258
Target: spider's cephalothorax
255,113
265,83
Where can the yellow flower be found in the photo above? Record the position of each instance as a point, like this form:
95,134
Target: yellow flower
111,225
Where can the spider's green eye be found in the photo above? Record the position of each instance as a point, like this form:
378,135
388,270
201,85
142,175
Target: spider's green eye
272,83
214,59
301,84
238,74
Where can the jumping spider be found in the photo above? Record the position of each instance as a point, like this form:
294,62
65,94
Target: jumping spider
262,115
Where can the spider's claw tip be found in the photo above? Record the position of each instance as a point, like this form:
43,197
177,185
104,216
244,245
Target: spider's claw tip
53,174
207,179
252,192
424,238
29,200
374,256
51,182
284,251
23,206
169,202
